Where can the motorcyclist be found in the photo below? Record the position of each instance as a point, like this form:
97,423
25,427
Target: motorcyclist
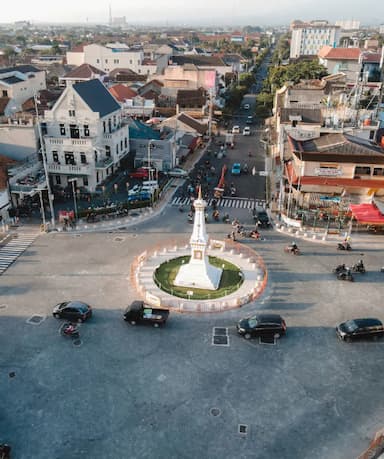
294,247
215,214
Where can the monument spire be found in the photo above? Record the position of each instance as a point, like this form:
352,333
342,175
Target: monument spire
199,272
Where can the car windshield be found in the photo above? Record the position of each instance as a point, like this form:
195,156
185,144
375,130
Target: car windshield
351,326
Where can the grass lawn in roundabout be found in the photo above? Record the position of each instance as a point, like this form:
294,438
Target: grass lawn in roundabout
165,274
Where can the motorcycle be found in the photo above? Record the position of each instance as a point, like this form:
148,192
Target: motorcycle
345,275
339,269
5,451
226,218
358,267
69,329
215,216
292,250
344,246
190,218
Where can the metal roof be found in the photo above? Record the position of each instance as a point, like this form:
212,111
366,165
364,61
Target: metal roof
97,97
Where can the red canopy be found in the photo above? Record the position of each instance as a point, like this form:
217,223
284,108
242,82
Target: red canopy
367,214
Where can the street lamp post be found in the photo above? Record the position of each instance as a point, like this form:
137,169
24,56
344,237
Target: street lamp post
42,208
50,195
72,181
150,146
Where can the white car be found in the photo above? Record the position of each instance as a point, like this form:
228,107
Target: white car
177,172
247,130
134,190
236,130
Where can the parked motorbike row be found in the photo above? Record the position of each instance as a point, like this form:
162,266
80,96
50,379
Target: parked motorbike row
344,272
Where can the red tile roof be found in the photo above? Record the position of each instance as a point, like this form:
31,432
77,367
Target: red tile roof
122,92
84,71
342,182
327,52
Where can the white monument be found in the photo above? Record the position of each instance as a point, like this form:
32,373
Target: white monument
199,273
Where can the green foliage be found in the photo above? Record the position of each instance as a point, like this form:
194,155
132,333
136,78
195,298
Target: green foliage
302,70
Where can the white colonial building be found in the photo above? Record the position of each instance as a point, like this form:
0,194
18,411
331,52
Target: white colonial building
84,136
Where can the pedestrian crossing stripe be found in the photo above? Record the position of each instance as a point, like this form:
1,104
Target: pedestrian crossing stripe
239,203
11,251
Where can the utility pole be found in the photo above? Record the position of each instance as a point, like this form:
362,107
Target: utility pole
42,146
210,109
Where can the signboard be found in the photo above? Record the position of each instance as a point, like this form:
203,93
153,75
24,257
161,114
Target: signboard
329,172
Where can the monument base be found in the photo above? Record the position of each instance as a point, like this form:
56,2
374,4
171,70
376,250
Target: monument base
203,276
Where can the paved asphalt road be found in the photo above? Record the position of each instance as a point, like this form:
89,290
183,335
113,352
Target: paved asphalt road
140,392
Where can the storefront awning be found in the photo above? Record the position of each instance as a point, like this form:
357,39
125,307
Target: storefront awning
367,214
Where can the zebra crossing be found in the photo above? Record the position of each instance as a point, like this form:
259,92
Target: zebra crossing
13,249
239,203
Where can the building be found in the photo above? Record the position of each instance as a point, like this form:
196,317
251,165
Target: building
308,38
341,60
18,84
84,135
132,103
83,72
116,56
350,24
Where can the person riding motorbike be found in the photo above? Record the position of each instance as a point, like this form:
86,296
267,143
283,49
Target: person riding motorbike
226,218
215,215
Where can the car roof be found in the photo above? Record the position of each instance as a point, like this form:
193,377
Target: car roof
367,322
77,304
236,165
268,318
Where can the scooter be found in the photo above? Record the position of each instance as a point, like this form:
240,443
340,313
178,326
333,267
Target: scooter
344,246
71,330
226,219
358,267
293,250
339,269
345,275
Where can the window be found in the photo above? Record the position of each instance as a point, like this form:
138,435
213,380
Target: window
69,158
114,120
75,131
116,61
106,61
62,129
83,158
58,179
362,170
97,61
5,93
71,113
104,126
378,171
55,157
121,145
125,142
86,130
85,181
43,128
107,151
117,149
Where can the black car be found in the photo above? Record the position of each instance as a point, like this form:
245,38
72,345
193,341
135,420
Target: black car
271,325
360,329
75,311
261,217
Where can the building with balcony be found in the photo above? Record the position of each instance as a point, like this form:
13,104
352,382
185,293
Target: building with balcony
84,136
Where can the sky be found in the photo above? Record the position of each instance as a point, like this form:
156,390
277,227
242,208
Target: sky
195,12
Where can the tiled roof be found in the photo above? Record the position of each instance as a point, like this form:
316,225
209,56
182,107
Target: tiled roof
371,57
84,71
121,92
78,49
97,97
340,148
21,68
11,80
198,60
191,122
344,54
308,115
342,182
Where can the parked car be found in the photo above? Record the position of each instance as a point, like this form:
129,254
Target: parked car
139,312
236,169
75,311
236,130
141,172
177,172
260,325
247,130
360,329
134,190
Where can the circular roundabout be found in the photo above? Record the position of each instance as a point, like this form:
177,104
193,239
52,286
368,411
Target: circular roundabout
244,277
